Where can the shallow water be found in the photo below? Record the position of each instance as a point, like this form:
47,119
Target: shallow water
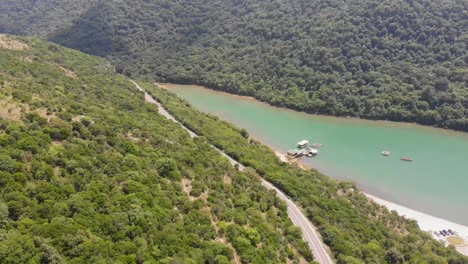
435,183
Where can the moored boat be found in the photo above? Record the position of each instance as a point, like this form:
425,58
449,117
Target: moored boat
406,159
317,145
386,153
312,152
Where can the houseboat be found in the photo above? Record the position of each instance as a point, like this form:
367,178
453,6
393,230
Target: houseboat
303,144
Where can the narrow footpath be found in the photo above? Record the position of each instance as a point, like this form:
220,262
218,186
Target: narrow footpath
309,231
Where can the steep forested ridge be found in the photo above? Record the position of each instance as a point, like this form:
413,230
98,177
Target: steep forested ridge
89,173
402,60
40,17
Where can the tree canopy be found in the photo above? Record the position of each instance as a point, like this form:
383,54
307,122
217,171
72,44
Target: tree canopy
399,60
90,173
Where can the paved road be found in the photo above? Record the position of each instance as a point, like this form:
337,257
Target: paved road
309,231
161,109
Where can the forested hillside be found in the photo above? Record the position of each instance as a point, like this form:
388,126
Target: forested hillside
89,173
403,60
40,18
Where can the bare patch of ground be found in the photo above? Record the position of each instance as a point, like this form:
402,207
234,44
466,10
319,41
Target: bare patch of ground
57,143
68,72
282,157
11,111
227,180
57,171
8,42
27,59
204,197
187,187
132,137
79,117
43,113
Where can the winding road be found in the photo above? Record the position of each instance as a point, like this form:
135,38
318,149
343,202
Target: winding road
309,231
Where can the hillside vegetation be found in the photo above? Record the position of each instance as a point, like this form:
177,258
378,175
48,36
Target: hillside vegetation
40,18
355,229
403,60
89,173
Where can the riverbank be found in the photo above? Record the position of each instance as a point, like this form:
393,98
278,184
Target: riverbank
426,222
384,122
350,158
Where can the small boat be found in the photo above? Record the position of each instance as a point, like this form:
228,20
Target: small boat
312,152
386,153
317,145
406,159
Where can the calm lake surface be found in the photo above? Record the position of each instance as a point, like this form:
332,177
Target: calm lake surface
435,183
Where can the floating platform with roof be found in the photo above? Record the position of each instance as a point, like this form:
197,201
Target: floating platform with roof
302,144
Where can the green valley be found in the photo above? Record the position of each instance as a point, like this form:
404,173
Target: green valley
100,165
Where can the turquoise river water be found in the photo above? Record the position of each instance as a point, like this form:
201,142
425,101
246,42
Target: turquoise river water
435,183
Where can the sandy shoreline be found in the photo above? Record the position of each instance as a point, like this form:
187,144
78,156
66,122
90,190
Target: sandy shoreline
426,222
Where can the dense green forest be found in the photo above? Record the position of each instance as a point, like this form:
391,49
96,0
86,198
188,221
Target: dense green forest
39,18
89,173
403,60
356,230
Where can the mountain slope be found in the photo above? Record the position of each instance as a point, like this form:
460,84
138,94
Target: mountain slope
40,18
399,60
89,173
